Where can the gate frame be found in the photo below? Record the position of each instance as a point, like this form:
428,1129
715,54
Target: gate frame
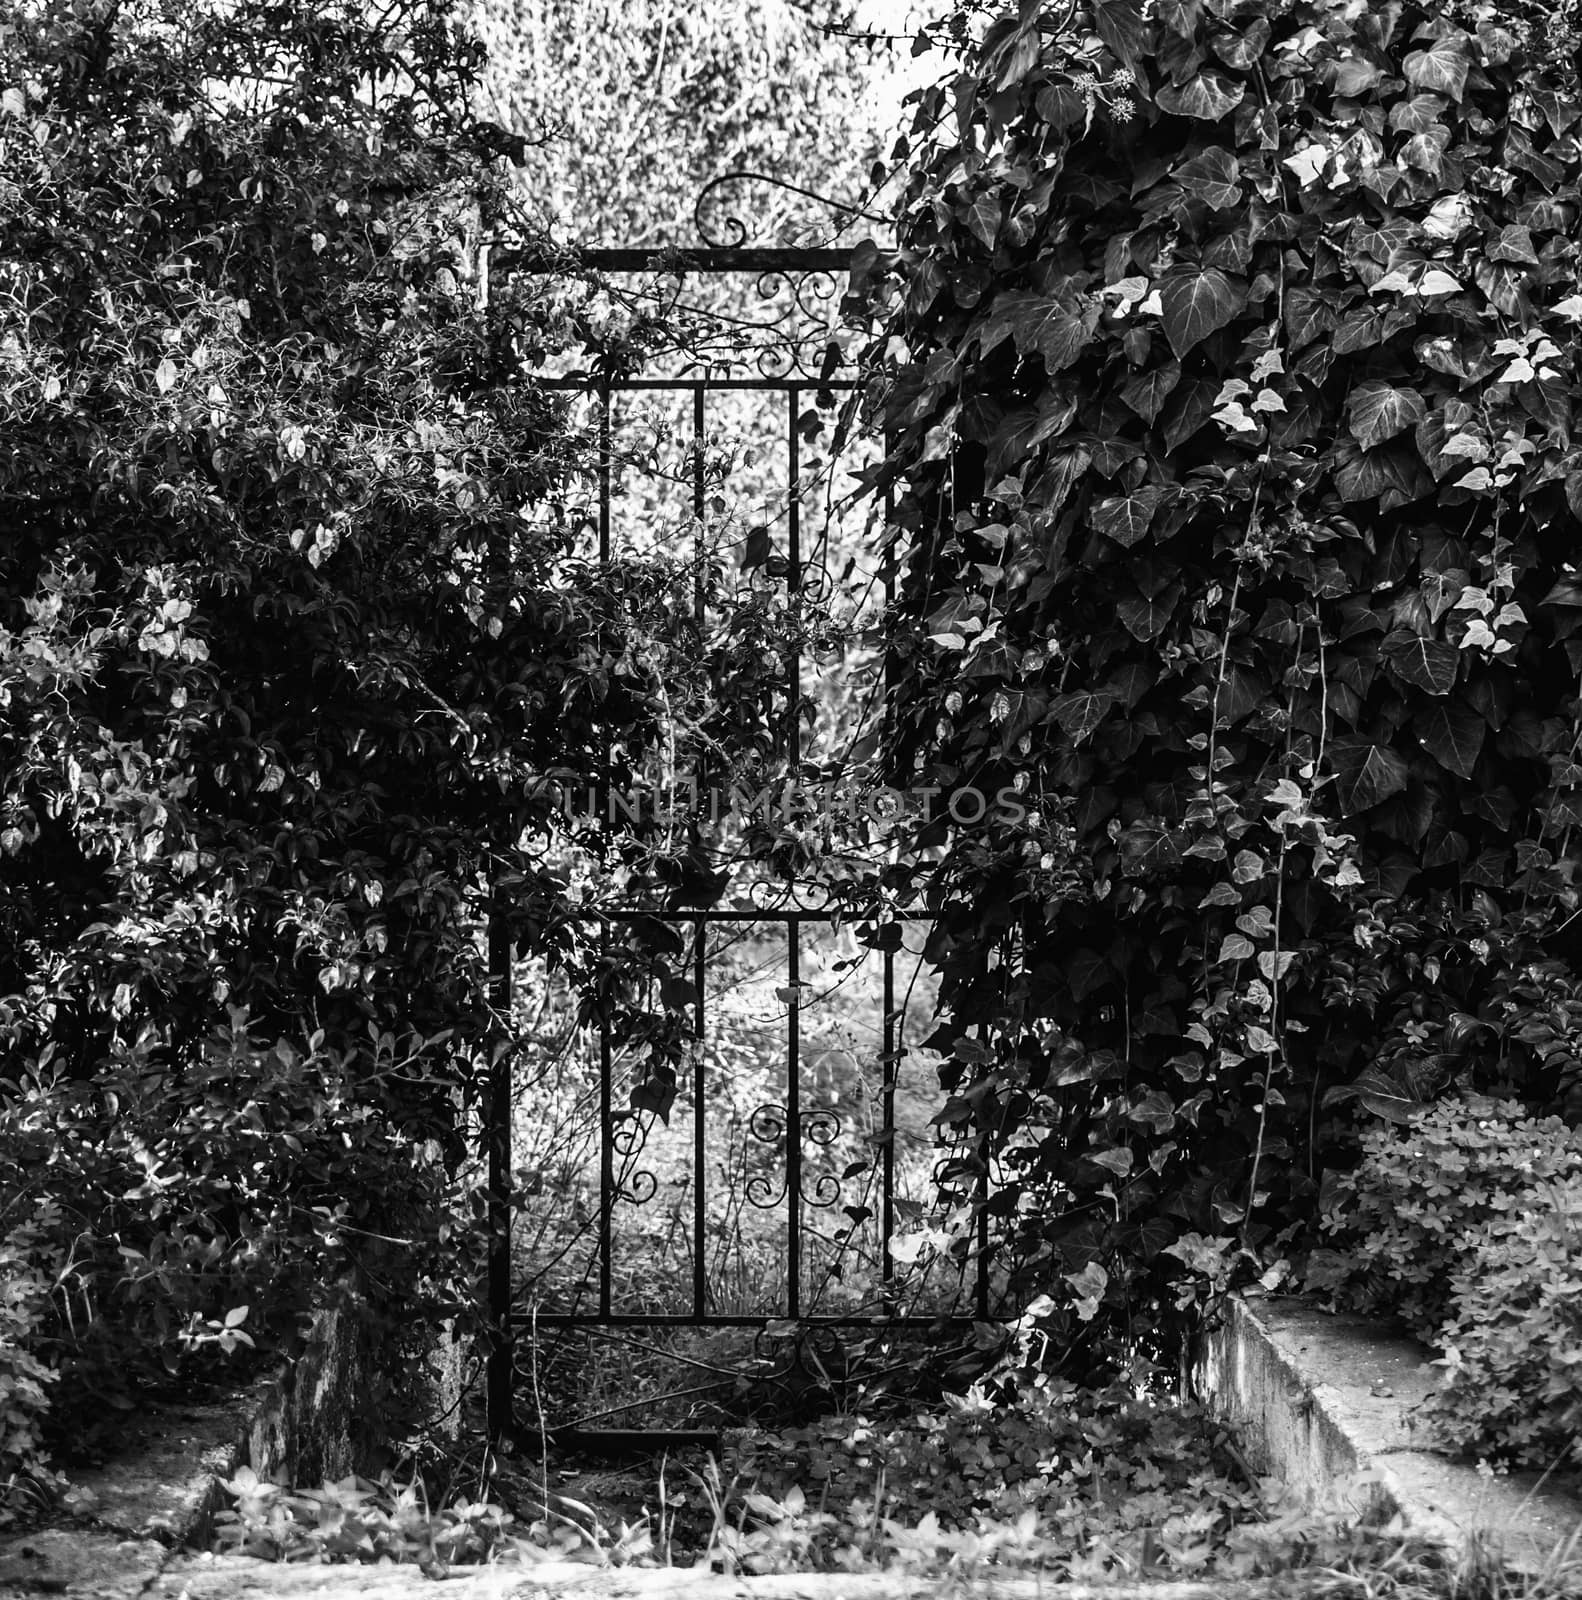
712,260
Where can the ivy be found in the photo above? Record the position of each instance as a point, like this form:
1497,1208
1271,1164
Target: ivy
1227,366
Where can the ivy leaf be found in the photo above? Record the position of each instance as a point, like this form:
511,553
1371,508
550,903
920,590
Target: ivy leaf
1380,1093
1441,69
1452,735
1515,243
1147,392
1213,176
1120,25
1365,773
1080,712
1354,76
1207,97
1145,619
1195,303
1042,323
1388,474
1187,411
1376,411
1441,590
1125,518
1309,315
1118,1161
756,548
1021,432
1421,112
1246,49
1274,964
1086,971
1431,664
983,216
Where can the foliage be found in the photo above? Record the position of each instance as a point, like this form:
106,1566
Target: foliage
1464,1225
358,1520
295,646
1426,1195
630,110
1227,367
24,1379
1513,1346
1091,1482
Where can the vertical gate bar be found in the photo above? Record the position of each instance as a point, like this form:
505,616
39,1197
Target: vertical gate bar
604,474
793,580
793,1121
606,1131
698,502
983,1246
793,493
498,1384
699,1211
606,1153
887,1125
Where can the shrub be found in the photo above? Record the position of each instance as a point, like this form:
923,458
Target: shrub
1513,1345
1463,1224
1413,1213
206,1212
24,1379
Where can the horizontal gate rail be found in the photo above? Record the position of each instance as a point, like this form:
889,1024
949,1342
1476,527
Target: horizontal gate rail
586,385
682,1319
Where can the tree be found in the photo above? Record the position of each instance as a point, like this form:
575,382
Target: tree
1229,360
632,109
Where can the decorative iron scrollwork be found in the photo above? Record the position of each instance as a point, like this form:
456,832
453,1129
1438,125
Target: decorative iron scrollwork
634,1184
821,1127
739,233
768,1125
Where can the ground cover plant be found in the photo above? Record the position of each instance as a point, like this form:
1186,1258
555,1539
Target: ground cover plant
1227,365
1465,1225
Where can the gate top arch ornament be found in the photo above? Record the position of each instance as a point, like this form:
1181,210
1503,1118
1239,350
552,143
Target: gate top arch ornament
788,324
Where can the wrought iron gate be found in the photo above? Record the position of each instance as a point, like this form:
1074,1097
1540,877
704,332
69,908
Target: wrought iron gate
793,1155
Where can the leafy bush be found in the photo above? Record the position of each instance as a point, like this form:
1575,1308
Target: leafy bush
1513,1344
1464,1224
297,643
1426,1196
213,1207
25,1380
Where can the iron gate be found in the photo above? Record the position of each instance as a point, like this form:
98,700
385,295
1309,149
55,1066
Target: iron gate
805,1149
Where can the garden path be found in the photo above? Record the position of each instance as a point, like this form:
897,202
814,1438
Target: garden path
241,1578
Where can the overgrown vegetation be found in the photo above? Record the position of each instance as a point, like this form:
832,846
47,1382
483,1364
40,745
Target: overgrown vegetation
1224,377
294,635
1228,360
1466,1225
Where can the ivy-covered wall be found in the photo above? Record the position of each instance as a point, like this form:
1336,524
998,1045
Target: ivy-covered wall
1228,364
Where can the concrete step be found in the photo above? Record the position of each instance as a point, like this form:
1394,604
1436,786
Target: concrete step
1326,1403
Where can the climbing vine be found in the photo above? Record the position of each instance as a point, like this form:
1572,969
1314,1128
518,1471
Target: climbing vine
1227,366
